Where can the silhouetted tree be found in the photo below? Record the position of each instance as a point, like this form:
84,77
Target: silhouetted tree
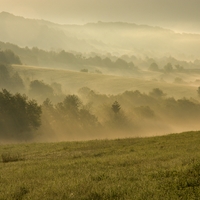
84,91
18,115
84,70
49,114
107,62
66,57
131,65
178,80
117,119
3,59
47,103
158,93
12,58
57,87
8,57
198,91
70,107
179,68
17,83
40,90
11,82
120,63
154,67
168,68
96,60
87,119
116,107
4,76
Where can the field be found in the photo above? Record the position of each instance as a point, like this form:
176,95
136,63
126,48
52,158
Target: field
164,167
144,81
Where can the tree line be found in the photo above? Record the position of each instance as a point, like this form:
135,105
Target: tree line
87,112
91,114
90,62
8,57
18,116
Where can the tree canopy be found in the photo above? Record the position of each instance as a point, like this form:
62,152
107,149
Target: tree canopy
18,115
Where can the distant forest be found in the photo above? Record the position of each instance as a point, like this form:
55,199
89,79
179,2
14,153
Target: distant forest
31,108
88,114
92,62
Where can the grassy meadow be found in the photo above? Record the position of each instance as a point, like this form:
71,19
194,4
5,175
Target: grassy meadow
144,81
164,167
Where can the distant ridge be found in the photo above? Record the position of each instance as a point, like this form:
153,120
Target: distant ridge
101,37
127,25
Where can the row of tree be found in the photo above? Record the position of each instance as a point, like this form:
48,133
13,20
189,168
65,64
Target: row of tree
36,56
21,118
87,113
18,116
10,79
37,89
168,68
8,57
121,64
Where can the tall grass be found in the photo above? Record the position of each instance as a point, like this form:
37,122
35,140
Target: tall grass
166,167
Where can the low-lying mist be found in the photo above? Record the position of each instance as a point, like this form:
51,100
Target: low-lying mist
130,114
117,38
90,115
45,104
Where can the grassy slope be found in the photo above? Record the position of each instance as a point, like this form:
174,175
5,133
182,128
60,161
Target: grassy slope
166,167
72,81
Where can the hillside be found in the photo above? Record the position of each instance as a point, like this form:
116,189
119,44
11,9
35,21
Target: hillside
30,32
79,105
120,95
164,167
114,37
72,81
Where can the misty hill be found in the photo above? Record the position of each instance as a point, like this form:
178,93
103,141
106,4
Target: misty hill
119,38
29,32
166,69
72,81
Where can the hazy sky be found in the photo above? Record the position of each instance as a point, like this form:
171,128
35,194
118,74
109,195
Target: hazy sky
176,14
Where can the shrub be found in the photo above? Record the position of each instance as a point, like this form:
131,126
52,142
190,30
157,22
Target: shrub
11,157
84,70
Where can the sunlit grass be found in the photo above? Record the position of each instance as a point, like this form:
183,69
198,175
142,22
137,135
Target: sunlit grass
166,167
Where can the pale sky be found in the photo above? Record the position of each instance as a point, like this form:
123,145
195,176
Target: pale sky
176,14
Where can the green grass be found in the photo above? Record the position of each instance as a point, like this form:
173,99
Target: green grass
165,167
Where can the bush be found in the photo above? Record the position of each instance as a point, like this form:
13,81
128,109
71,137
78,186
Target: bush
11,157
84,70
